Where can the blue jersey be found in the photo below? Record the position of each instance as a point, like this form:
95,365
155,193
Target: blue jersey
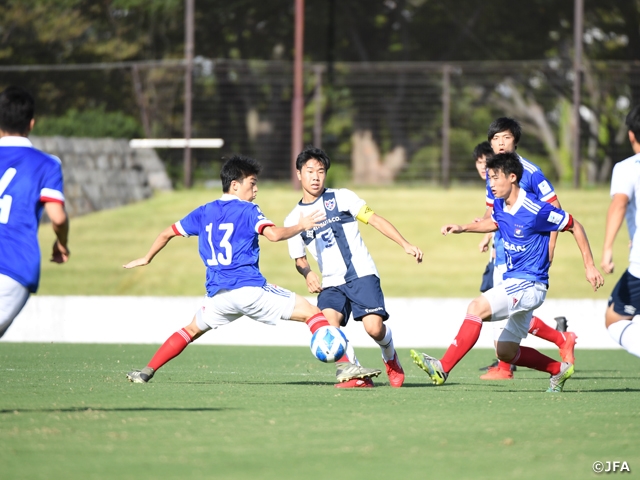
534,182
28,179
525,231
227,231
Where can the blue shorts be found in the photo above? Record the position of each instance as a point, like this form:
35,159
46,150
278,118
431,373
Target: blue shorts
626,295
362,296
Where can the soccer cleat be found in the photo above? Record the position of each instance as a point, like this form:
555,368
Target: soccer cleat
495,373
431,365
356,383
141,376
561,324
394,371
495,364
348,371
566,350
557,381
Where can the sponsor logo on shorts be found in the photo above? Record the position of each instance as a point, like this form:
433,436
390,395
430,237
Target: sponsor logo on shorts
630,309
371,310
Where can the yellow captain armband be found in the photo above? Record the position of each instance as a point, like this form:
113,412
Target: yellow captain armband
365,214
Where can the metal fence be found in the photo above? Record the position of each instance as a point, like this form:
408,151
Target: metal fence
435,113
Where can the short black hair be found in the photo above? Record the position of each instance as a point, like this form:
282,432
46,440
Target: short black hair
507,162
310,152
237,168
502,124
483,148
17,108
633,121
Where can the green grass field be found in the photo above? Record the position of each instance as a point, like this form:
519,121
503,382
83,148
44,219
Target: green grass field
66,411
103,241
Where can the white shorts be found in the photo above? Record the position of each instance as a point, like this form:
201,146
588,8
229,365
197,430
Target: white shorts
13,296
515,300
262,304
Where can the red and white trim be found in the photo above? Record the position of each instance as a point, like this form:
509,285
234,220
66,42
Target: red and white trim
51,195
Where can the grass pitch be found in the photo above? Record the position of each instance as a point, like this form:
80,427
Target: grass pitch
66,411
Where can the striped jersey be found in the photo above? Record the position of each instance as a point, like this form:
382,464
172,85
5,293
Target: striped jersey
227,231
336,244
525,231
533,181
29,178
625,179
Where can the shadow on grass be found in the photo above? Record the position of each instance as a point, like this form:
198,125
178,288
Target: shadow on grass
131,409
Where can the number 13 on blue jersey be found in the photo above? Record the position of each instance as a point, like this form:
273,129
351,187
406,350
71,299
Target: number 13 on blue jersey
220,258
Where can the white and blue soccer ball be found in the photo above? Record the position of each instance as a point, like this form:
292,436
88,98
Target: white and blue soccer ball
328,344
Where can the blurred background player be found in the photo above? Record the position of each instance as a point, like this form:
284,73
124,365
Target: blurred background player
30,181
525,223
350,280
624,301
504,134
228,231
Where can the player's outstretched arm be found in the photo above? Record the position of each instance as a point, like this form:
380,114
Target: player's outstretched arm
486,225
593,275
306,222
615,216
313,282
159,243
388,230
60,224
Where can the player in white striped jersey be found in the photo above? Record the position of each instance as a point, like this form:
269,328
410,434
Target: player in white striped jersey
525,223
350,280
624,303
30,182
228,231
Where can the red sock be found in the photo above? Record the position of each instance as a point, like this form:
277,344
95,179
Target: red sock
171,348
504,366
530,357
464,341
540,329
319,320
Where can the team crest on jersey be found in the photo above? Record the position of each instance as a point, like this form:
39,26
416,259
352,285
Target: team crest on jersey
310,233
330,204
517,232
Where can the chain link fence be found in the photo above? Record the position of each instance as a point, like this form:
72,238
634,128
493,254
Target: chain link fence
380,122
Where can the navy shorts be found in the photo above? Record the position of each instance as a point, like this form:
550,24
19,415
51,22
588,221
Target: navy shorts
362,296
626,295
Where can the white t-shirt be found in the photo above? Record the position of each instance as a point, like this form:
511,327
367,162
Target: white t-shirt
336,245
625,179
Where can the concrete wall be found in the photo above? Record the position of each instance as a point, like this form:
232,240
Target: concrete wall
415,322
104,173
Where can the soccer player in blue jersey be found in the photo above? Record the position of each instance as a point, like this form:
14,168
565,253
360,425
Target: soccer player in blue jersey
30,182
504,134
350,281
624,303
525,223
228,231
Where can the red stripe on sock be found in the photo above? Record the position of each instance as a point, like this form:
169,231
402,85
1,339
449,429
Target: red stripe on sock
530,357
171,348
540,329
317,321
464,341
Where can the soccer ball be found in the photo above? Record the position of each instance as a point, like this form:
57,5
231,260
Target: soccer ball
328,344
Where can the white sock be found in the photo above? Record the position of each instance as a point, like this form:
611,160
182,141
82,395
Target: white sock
386,345
351,354
626,333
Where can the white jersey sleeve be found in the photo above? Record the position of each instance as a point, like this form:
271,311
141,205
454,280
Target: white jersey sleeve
625,179
296,243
